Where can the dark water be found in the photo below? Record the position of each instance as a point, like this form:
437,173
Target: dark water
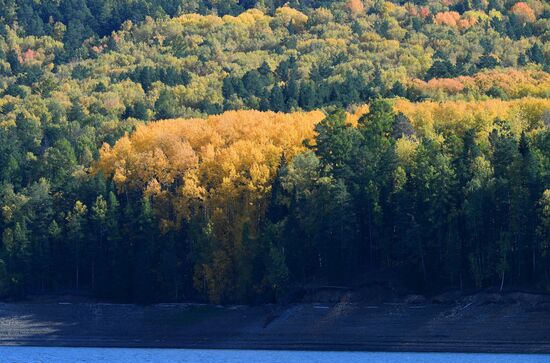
62,355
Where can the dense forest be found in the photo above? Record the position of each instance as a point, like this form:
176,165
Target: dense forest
233,150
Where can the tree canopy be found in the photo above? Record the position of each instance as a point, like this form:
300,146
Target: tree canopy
230,150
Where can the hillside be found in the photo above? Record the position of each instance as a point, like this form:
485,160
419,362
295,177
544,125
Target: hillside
232,151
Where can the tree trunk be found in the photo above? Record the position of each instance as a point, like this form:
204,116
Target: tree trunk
534,263
93,274
77,275
370,238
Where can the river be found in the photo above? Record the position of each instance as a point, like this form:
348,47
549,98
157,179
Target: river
123,355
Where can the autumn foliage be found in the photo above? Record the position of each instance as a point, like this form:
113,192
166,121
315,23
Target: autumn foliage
221,168
455,20
430,117
214,162
449,18
355,6
523,12
511,83
448,85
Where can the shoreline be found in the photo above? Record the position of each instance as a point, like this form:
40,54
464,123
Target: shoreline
483,323
400,347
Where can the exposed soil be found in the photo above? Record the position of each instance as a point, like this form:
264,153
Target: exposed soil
483,322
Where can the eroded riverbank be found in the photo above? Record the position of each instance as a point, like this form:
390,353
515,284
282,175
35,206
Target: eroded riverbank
510,323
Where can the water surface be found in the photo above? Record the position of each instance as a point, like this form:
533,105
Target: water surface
127,355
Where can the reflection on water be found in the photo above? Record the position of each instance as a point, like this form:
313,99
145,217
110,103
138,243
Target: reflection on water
85,355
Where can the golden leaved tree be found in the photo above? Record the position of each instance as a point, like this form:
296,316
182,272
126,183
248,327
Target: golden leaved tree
430,118
220,169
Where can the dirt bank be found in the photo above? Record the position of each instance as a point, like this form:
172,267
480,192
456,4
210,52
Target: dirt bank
515,323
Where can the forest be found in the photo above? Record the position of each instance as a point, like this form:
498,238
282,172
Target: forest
232,151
